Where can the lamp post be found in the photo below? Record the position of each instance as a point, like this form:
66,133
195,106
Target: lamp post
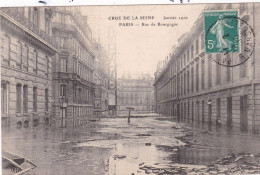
129,108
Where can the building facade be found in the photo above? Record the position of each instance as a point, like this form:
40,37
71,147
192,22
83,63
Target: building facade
27,50
193,87
136,93
73,86
101,79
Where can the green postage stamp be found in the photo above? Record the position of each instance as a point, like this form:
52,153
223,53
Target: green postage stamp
221,31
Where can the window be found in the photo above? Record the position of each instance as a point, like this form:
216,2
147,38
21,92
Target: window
202,74
18,98
26,58
35,16
19,55
74,66
228,68
35,56
202,112
46,99
184,88
192,52
202,41
63,65
4,97
188,82
218,108
242,67
34,99
197,76
47,66
75,95
5,49
192,79
188,55
197,46
218,70
47,22
25,99
209,71
63,90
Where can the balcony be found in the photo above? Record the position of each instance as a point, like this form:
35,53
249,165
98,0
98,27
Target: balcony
76,77
80,101
25,22
63,75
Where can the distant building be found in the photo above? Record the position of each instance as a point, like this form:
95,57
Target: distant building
27,49
73,85
195,88
137,93
101,81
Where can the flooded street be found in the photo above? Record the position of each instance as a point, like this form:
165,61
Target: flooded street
112,146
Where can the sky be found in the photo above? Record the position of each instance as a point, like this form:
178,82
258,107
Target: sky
139,48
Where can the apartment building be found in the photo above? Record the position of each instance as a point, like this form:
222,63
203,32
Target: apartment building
195,88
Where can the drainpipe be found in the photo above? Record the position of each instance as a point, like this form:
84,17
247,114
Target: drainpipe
253,77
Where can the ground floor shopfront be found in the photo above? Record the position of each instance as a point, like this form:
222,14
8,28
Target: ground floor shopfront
236,108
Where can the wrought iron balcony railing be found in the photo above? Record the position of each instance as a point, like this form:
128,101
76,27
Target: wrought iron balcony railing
22,20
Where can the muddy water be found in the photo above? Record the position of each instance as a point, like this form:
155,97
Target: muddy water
112,146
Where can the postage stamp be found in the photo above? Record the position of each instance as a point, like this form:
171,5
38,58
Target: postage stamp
222,31
229,37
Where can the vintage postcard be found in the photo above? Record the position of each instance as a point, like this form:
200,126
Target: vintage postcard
130,89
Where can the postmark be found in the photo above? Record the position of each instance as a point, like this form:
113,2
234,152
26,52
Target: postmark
228,37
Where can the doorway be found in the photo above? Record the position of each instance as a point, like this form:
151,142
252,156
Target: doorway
209,114
243,113
229,112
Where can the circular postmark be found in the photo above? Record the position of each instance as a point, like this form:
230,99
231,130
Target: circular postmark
234,48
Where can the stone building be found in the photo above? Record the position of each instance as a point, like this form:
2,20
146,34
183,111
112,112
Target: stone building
101,78
136,93
73,86
195,88
27,50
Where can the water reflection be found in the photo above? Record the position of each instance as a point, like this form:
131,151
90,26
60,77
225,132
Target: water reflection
111,146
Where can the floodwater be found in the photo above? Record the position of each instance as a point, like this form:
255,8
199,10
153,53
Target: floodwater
115,147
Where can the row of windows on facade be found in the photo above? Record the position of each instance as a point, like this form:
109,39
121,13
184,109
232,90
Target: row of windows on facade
184,84
139,89
33,14
78,68
188,55
75,22
135,95
22,61
134,101
21,98
81,53
181,62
